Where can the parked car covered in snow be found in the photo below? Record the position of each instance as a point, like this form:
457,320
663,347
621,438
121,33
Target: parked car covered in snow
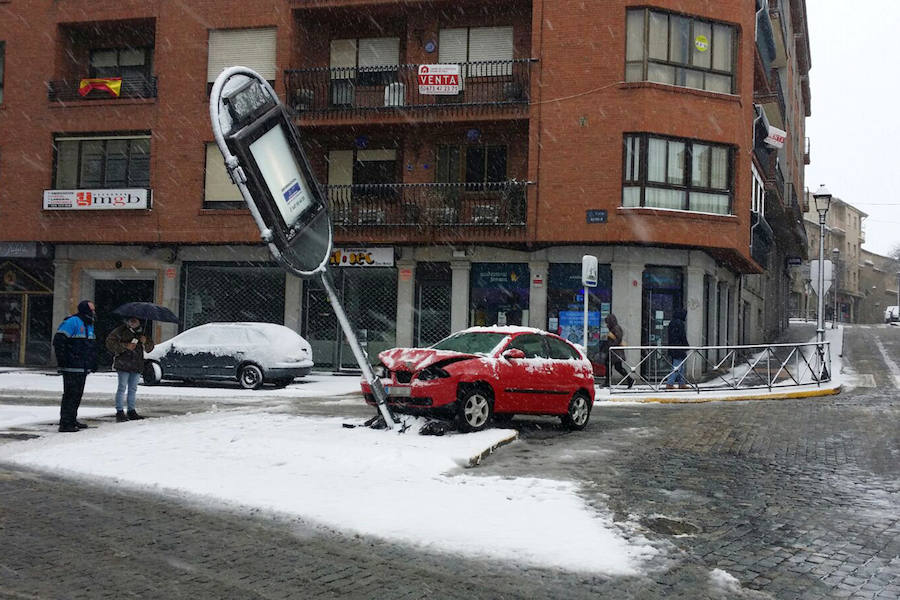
892,314
489,373
251,353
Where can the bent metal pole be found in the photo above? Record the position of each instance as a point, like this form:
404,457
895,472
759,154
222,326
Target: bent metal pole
374,382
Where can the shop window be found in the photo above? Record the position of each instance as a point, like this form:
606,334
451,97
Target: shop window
565,306
500,293
679,50
102,162
676,174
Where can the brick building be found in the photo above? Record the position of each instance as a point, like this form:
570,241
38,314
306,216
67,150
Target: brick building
647,135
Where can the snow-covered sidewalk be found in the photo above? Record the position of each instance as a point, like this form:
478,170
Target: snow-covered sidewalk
348,479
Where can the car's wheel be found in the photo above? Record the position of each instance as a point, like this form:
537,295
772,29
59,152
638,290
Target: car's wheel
250,377
579,412
476,405
152,372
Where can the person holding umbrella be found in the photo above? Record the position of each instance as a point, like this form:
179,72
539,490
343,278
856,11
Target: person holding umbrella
127,343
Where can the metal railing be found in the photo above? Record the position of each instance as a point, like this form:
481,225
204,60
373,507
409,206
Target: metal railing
67,90
391,87
418,205
721,368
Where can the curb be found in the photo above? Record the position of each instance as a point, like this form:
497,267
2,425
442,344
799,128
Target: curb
475,460
820,392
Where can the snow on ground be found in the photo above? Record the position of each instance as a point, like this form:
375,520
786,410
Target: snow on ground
105,383
352,480
16,416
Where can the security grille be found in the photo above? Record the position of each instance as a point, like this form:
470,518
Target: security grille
235,292
432,312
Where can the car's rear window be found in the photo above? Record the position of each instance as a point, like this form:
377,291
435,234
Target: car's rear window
471,342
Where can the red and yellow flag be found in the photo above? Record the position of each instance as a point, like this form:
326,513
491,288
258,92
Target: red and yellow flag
113,85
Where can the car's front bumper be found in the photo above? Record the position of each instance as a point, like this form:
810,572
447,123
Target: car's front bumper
416,395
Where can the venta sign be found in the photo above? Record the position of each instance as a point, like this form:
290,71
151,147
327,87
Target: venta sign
438,79
121,199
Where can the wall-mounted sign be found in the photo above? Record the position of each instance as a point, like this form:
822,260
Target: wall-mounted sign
25,250
776,137
113,199
701,43
362,257
595,216
438,79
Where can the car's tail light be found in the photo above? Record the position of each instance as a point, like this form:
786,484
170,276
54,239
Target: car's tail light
433,372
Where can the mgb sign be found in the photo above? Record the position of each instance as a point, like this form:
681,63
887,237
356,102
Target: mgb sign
101,199
439,79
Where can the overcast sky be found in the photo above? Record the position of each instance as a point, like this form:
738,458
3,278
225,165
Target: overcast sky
854,129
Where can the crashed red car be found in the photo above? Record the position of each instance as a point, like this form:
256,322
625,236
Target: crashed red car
489,373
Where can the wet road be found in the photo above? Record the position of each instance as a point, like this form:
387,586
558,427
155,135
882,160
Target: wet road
791,498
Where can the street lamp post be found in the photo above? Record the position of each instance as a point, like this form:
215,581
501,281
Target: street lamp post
835,255
822,198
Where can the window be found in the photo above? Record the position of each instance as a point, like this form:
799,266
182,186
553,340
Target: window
478,44
758,194
2,63
219,191
676,174
560,350
368,61
253,48
679,50
531,344
102,162
474,164
128,63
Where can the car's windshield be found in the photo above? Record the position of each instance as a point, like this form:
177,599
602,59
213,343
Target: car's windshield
471,342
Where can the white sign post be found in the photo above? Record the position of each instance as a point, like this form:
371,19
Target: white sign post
589,271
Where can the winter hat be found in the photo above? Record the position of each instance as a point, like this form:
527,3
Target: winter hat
84,310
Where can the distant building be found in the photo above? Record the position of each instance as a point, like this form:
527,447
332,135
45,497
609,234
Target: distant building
879,277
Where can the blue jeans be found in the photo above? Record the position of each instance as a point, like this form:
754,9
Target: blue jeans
127,381
676,377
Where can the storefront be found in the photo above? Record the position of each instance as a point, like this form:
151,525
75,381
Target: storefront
499,294
565,306
663,294
365,281
236,291
26,313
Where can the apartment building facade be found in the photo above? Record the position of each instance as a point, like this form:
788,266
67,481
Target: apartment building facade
646,135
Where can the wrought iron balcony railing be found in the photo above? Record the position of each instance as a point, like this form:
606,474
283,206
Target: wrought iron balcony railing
66,90
393,87
498,206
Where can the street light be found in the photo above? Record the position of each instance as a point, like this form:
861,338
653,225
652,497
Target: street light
835,253
822,198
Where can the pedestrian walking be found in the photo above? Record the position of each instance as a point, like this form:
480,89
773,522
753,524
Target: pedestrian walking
677,333
127,343
76,356
615,337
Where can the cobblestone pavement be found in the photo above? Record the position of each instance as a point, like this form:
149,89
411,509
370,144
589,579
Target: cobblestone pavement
796,499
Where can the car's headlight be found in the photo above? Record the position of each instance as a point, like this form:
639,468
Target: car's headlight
433,372
381,371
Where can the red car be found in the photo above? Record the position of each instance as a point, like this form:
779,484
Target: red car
489,373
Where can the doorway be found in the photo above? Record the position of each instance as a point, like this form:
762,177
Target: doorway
663,294
432,313
109,294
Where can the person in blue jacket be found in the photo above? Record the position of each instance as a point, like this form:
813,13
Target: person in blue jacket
76,356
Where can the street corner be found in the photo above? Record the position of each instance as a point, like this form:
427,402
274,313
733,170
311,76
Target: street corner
506,436
692,397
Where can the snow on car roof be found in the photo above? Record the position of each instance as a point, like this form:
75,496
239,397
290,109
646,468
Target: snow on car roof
507,329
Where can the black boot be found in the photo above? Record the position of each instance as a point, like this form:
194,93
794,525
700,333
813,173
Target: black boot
120,416
81,425
133,416
68,428
630,382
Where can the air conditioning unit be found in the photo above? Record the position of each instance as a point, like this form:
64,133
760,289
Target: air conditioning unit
395,94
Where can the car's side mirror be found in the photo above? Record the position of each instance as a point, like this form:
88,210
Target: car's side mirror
513,353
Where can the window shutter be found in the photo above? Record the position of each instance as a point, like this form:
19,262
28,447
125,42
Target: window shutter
379,51
453,45
340,167
253,48
384,154
219,187
491,43
343,57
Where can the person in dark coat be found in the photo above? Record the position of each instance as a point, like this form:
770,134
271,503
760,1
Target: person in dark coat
615,337
677,332
127,343
76,356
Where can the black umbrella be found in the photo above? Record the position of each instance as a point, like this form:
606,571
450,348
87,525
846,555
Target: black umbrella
146,311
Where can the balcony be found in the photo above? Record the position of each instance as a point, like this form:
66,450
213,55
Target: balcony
324,92
806,151
68,90
430,210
